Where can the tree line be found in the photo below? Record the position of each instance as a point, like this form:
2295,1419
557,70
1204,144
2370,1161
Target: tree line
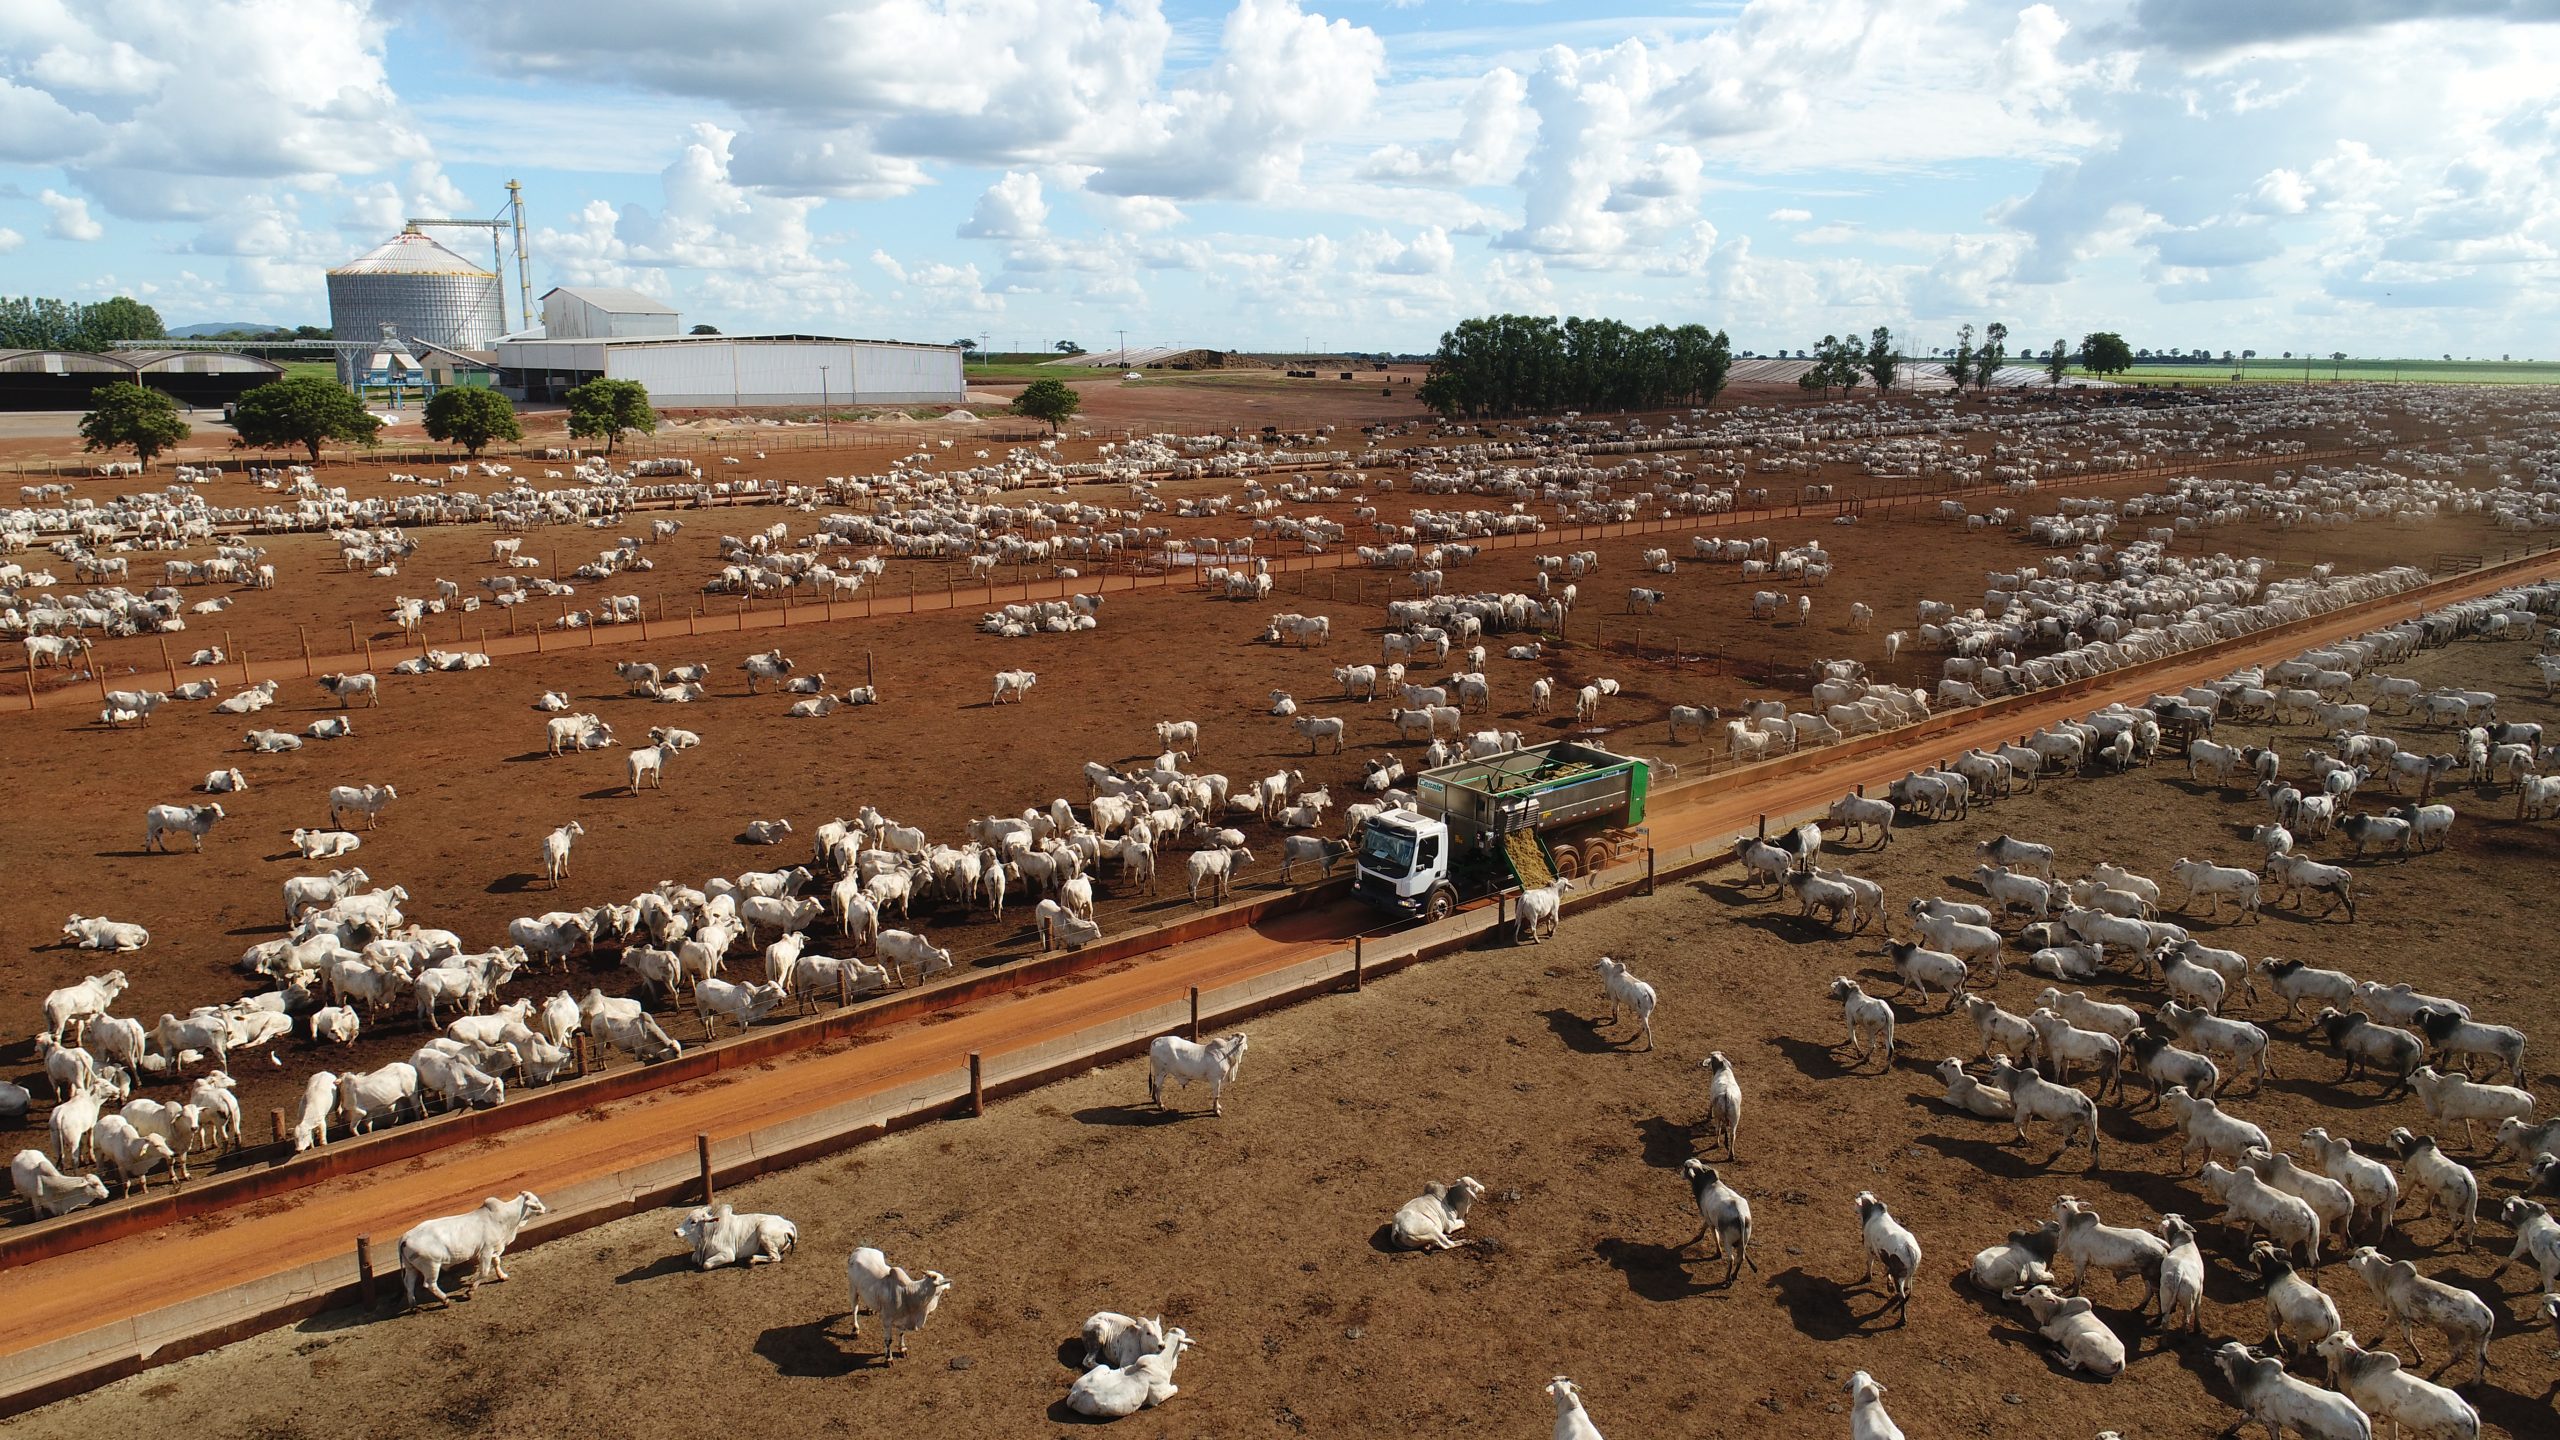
29,322
1505,365
311,410
1842,363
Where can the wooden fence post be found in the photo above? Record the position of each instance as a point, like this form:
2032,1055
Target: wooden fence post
1359,968
364,1270
304,637
1195,1014
977,1085
275,1120
1648,869
702,1154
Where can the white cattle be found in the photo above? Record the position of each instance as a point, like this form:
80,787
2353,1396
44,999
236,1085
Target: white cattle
1173,1058
903,1302
721,1236
161,821
480,1238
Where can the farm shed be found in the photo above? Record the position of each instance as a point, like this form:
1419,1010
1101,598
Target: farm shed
604,312
691,372
64,379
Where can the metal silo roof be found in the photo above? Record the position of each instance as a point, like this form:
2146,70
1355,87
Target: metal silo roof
410,253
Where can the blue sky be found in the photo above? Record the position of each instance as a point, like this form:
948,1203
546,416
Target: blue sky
2375,176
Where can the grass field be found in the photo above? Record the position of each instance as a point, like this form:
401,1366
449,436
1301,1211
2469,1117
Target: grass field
326,370
1028,370
2263,371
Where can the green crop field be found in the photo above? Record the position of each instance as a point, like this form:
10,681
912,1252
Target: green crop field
324,369
2263,371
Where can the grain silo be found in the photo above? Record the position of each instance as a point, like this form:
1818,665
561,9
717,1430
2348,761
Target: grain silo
419,287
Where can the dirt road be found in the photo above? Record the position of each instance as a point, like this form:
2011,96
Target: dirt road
52,1299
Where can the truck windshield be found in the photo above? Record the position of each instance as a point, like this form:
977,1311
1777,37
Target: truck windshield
1386,851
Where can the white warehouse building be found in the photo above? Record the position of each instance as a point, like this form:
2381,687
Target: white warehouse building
604,312
706,372
619,334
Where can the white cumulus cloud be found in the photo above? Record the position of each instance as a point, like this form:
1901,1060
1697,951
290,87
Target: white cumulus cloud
1011,209
70,217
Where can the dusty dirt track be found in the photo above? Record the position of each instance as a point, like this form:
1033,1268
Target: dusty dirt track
1258,1231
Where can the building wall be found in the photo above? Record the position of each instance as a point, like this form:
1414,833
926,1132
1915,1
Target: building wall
570,317
71,391
894,374
699,375
715,374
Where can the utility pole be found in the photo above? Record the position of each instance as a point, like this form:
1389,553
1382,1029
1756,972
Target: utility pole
825,420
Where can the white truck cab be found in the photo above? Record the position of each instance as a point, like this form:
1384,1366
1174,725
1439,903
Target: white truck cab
1404,864
1515,817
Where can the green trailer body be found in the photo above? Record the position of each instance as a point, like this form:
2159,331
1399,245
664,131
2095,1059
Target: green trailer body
1565,808
1545,788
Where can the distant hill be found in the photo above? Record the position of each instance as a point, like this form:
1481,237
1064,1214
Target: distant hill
218,327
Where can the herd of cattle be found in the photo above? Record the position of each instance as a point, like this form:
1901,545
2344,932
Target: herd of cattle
351,957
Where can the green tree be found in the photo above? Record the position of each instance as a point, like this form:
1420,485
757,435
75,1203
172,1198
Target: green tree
1995,349
124,413
967,345
2057,364
1068,347
29,322
1960,366
602,409
1049,400
302,410
2104,353
1524,364
704,330
1882,364
311,332
121,318
471,418
2337,363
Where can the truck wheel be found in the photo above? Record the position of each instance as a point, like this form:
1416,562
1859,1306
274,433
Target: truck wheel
1568,862
1441,905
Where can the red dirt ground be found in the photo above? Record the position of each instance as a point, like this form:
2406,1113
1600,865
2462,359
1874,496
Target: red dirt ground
1257,1231
477,795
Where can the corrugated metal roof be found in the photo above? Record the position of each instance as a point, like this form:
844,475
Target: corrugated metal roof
616,299
410,253
200,362
60,361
